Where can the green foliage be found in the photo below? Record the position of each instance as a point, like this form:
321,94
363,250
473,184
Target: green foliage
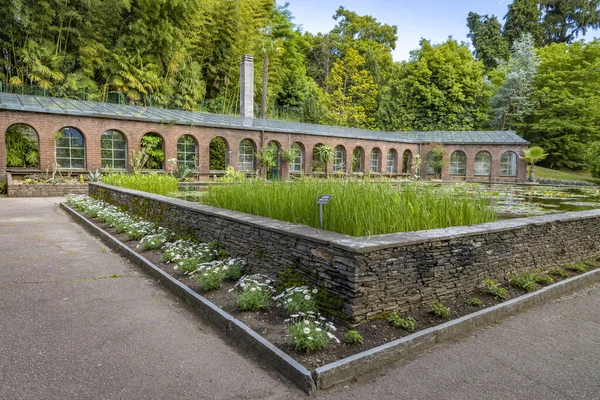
542,279
475,302
593,159
531,156
577,267
557,271
486,35
408,323
3,188
138,161
21,147
440,310
298,299
94,176
231,175
523,281
255,293
523,17
435,158
494,289
357,208
353,336
209,278
566,95
441,87
152,144
218,157
324,154
151,183
267,157
310,333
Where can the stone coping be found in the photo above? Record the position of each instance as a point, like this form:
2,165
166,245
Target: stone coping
363,244
230,326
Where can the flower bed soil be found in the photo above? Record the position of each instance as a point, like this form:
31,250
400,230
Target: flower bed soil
270,323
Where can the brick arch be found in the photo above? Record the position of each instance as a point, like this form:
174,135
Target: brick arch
4,148
92,156
395,153
303,156
228,150
362,158
166,154
247,159
345,167
379,164
87,145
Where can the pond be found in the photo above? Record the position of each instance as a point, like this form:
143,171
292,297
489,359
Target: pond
510,200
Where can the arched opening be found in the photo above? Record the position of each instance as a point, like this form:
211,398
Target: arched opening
218,154
70,148
483,164
358,159
246,152
435,163
297,163
392,162
407,162
318,165
22,147
374,163
153,145
458,163
275,148
113,150
187,153
339,159
508,164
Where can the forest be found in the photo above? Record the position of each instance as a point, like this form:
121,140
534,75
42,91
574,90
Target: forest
529,70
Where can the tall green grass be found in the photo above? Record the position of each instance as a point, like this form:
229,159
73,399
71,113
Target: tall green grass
358,208
151,183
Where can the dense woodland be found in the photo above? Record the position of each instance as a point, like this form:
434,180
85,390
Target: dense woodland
528,71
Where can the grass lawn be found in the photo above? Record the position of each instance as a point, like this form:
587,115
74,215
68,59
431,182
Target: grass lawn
547,173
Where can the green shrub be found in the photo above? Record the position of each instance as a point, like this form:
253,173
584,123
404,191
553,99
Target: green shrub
310,332
139,229
209,277
440,310
475,302
298,299
408,323
353,336
542,279
557,271
156,240
523,281
577,267
152,183
494,289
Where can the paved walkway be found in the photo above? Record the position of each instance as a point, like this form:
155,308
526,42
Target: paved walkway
69,329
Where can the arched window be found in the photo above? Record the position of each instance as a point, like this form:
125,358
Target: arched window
458,163
358,157
339,159
431,161
70,149
508,164
218,152
391,161
152,143
296,165
113,150
22,147
374,164
186,152
246,156
483,164
407,162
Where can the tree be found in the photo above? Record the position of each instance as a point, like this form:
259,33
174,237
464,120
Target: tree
523,16
351,96
565,20
566,98
440,88
485,33
593,159
533,155
512,99
435,158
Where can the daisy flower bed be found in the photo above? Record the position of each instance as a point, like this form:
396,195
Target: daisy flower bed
283,309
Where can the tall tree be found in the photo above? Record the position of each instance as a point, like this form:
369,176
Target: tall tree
565,20
512,98
351,97
523,16
485,33
566,96
440,88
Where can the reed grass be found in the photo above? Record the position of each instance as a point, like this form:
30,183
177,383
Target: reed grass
151,183
358,208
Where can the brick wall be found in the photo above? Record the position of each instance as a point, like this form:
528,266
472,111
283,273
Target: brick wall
382,273
92,129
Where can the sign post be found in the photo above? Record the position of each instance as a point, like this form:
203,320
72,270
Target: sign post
323,200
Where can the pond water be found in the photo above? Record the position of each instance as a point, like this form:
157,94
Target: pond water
510,201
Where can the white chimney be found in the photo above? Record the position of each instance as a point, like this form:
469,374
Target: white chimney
247,87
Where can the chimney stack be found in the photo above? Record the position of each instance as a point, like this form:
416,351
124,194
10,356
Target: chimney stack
247,87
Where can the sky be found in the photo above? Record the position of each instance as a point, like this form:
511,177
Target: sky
434,20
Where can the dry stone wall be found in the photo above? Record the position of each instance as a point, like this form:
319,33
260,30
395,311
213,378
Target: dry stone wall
384,273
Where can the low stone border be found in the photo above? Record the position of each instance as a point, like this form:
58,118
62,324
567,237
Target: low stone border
360,364
354,366
232,327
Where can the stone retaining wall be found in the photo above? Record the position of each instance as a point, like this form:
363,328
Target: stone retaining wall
384,273
42,190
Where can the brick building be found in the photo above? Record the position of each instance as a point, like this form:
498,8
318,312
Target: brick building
96,135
